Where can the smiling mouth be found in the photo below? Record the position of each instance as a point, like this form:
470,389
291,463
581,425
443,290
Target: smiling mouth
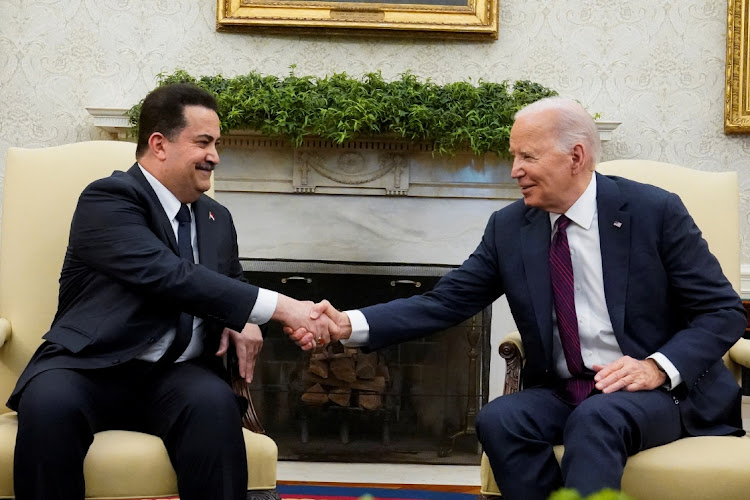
207,167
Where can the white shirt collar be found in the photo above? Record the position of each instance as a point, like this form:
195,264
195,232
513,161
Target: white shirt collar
169,202
583,211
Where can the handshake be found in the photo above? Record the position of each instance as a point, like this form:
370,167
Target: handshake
311,325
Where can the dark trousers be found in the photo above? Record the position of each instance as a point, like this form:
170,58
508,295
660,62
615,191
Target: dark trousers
189,407
519,430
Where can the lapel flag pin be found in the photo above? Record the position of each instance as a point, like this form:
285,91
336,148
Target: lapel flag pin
618,224
211,215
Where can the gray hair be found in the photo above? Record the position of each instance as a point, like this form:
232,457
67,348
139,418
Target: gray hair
573,124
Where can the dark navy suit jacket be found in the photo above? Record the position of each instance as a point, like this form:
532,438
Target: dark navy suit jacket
664,291
123,285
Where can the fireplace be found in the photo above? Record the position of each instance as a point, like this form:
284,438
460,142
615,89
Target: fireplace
411,403
314,223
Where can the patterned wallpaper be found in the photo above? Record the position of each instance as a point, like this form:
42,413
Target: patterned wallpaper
655,65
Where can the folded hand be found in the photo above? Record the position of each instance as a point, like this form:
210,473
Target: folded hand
247,344
628,374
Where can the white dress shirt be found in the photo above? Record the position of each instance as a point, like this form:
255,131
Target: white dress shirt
261,312
598,343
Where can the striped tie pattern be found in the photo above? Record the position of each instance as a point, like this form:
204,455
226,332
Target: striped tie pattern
577,388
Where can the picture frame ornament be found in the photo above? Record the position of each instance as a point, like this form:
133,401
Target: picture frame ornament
460,19
737,89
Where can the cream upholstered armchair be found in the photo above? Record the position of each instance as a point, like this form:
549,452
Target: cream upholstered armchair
40,193
696,467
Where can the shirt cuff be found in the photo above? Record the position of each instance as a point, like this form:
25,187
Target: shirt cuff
673,375
360,329
264,306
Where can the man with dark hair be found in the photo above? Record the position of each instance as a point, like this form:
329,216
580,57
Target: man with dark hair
623,311
163,111
151,293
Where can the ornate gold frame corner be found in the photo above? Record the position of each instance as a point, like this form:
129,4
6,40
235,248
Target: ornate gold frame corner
737,90
476,19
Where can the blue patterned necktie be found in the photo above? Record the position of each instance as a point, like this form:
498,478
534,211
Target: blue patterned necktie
579,386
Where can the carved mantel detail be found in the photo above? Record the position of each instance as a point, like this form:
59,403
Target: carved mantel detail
351,168
378,166
365,167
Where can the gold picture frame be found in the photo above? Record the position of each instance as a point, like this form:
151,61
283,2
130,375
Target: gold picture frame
463,19
737,90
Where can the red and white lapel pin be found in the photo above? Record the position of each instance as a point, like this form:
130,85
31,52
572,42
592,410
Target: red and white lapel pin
211,215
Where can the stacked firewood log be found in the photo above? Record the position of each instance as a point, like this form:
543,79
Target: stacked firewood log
346,377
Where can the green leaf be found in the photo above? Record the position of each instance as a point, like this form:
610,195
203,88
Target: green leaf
341,108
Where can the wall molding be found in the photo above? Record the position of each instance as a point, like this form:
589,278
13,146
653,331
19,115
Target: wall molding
745,280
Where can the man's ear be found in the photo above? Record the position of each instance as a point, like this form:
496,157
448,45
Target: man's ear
578,158
156,143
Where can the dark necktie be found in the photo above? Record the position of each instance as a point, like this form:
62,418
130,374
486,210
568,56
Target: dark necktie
561,274
185,324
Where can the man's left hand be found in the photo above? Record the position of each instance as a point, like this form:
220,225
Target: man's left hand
247,343
629,374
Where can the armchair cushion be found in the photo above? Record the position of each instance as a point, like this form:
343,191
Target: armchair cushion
117,457
705,467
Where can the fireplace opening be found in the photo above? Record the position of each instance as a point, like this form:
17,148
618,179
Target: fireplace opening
414,402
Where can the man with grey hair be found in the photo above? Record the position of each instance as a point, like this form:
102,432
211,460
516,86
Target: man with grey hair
623,311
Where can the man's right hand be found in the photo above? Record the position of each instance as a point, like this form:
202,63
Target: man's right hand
307,328
339,325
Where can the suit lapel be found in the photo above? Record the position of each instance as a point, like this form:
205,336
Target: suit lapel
614,240
162,225
535,242
205,226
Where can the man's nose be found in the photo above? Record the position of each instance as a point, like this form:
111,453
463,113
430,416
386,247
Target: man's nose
213,156
515,170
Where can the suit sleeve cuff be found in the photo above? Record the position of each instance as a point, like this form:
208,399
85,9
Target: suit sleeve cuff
360,329
673,375
264,306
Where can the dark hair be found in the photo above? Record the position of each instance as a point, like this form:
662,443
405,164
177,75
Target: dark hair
163,111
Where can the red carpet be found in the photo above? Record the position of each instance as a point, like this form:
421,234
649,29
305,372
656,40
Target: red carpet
317,492
312,492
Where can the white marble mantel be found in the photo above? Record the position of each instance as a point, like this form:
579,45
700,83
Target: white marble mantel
364,167
401,203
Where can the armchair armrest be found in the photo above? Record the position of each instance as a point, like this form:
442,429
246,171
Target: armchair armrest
5,331
740,352
511,349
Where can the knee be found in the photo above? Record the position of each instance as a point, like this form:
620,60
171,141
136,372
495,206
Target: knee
218,403
495,417
47,419
43,406
593,417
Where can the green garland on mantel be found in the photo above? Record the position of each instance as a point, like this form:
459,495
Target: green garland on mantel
340,108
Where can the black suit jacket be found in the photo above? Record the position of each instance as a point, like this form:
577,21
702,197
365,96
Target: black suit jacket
123,284
664,291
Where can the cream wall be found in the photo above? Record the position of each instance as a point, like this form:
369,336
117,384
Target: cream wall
657,66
